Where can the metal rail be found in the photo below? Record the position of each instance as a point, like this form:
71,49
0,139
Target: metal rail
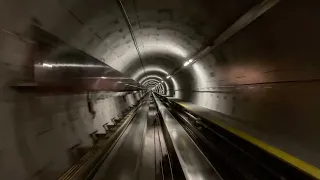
194,163
141,152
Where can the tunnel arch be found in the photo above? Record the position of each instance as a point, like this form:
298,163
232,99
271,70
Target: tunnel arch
169,87
152,82
167,35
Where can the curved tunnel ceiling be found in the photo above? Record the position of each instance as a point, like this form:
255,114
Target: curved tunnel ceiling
167,32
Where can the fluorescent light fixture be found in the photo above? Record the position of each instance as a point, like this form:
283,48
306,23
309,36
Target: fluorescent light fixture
73,65
168,77
46,65
186,63
103,77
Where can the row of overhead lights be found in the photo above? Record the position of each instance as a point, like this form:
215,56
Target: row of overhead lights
193,59
184,64
53,65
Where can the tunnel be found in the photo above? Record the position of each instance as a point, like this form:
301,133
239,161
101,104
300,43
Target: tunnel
150,89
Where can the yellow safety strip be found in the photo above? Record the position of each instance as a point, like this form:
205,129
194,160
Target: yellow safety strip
307,168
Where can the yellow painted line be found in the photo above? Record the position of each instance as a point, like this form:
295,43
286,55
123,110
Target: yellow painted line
307,168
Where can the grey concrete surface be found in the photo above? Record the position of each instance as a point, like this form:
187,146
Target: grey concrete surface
124,161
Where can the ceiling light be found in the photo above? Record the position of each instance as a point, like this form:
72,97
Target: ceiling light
46,65
188,62
168,77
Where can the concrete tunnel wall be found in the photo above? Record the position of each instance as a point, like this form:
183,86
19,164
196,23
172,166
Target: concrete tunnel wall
38,133
265,77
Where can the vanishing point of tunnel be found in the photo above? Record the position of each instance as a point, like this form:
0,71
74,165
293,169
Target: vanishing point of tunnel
159,89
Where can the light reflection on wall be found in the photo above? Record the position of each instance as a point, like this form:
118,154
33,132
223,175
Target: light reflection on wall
176,86
151,83
127,55
249,74
145,78
154,69
148,69
165,47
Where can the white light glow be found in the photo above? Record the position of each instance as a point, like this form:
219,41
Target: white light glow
140,72
73,65
150,47
104,77
188,62
168,77
46,65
